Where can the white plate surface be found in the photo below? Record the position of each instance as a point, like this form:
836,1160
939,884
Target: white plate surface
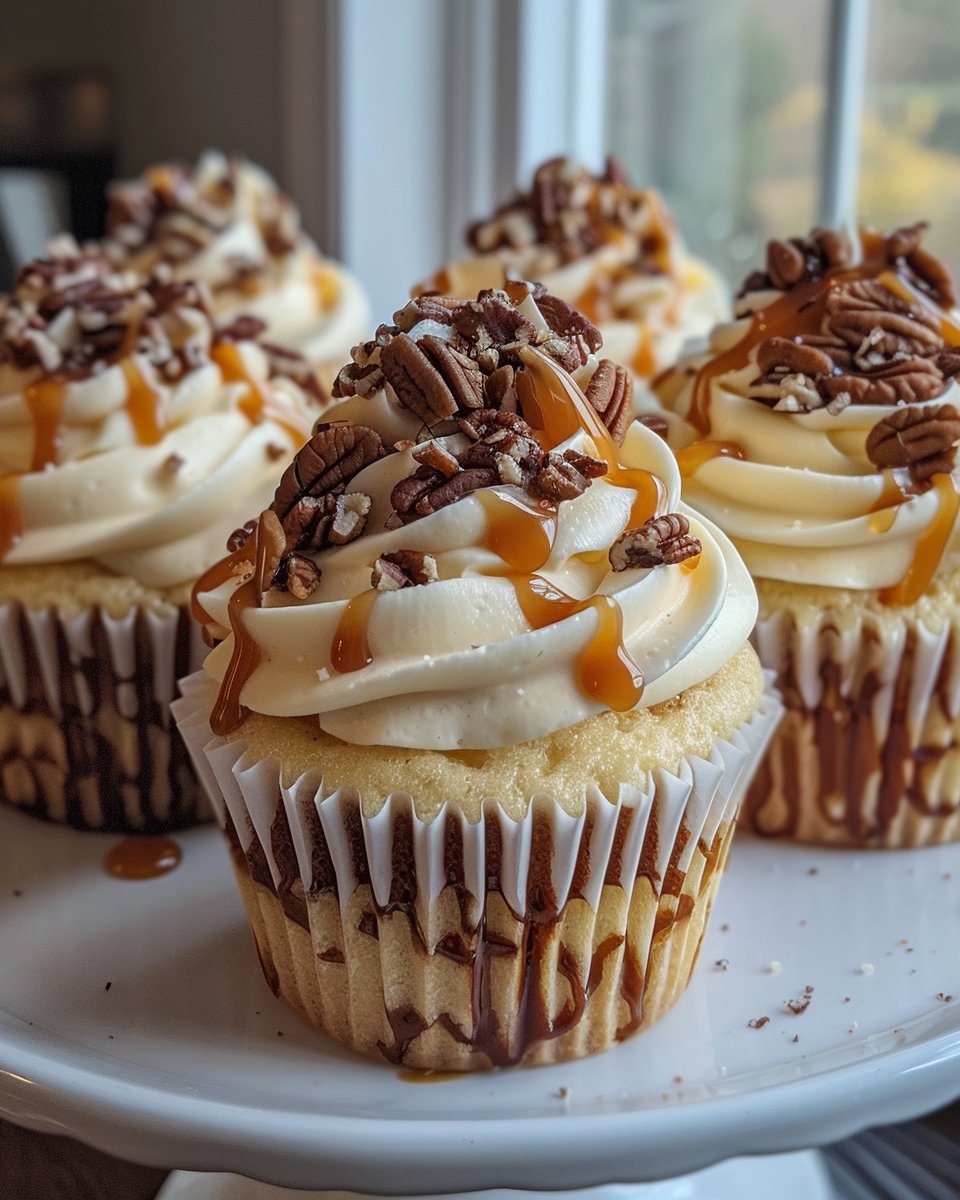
189,1061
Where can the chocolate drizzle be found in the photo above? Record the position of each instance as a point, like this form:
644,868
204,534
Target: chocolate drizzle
534,954
863,762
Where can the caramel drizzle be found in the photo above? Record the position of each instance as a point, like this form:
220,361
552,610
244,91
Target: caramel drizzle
142,858
257,403
350,649
11,516
644,362
691,458
44,401
145,405
930,546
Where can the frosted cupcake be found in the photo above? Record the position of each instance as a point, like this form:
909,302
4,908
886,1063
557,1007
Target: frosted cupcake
133,440
227,225
606,247
483,708
820,433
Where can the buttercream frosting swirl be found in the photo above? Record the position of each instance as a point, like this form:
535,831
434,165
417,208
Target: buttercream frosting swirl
610,249
514,623
225,223
132,432
779,421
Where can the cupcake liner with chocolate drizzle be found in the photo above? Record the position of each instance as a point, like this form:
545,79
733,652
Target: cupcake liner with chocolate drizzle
452,944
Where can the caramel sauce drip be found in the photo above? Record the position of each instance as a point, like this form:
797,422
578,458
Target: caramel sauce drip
520,535
326,287
11,518
45,400
350,650
644,362
256,404
930,546
594,301
228,713
145,405
691,458
605,671
142,858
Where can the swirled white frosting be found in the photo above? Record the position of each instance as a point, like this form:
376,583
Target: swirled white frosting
159,512
804,504
219,227
455,664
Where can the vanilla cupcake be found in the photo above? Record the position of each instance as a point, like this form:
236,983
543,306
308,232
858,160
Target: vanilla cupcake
483,708
606,247
133,440
820,433
226,224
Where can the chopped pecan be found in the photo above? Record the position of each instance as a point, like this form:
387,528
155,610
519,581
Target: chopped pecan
610,392
271,546
427,307
432,454
909,381
903,241
921,437
403,569
948,363
349,517
298,575
426,491
493,326
934,274
799,260
459,372
661,540
416,382
326,464
241,329
785,264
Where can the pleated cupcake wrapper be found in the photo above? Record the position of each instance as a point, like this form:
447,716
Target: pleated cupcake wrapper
867,754
578,877
86,735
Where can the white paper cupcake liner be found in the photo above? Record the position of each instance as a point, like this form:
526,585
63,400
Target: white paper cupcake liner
86,735
868,753
455,944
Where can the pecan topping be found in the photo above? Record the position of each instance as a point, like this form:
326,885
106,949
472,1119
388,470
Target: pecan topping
271,544
239,538
432,454
873,345
326,464
459,372
660,540
403,569
565,478
656,424
610,391
922,438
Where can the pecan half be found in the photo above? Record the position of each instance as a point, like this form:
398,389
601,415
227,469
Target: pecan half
569,322
403,569
610,392
426,491
910,381
656,542
565,478
416,382
327,463
780,354
458,371
656,424
920,437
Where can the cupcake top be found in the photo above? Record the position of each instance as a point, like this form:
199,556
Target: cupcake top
132,430
820,431
608,248
477,546
226,224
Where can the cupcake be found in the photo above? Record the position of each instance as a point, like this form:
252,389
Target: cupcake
133,439
606,247
226,224
820,433
482,707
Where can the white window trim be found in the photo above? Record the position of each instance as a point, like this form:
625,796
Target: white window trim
403,122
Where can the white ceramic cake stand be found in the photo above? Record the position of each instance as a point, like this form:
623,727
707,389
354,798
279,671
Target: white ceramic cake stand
186,1059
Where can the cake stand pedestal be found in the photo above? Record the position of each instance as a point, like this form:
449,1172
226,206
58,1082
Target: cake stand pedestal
133,1016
